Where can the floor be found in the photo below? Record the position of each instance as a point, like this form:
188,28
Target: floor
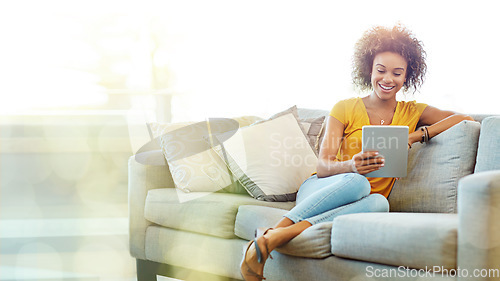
65,249
84,249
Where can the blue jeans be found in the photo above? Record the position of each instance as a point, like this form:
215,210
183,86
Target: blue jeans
323,199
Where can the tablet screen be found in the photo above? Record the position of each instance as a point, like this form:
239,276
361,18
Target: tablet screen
392,143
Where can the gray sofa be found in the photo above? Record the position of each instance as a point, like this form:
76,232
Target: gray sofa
443,224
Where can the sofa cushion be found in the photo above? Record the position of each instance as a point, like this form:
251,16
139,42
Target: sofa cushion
194,251
249,218
270,159
400,239
304,126
193,165
316,130
314,242
212,214
479,217
313,128
480,117
488,153
434,169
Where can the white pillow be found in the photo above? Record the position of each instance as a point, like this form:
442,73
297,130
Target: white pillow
193,165
271,159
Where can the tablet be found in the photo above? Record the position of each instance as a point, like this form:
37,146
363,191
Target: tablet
392,143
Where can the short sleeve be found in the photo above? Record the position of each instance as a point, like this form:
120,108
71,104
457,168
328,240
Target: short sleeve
338,111
420,107
410,114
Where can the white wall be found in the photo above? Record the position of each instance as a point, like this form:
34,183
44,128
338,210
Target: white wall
229,58
258,57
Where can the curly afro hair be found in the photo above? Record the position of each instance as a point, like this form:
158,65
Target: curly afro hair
397,40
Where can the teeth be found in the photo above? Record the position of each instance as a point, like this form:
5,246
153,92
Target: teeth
386,88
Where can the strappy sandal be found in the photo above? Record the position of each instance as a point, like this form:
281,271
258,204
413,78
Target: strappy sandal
258,233
246,272
245,269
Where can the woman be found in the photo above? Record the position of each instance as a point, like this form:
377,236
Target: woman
385,60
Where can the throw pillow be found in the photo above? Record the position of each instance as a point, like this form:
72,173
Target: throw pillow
193,165
304,124
270,159
313,128
313,121
320,136
434,169
488,153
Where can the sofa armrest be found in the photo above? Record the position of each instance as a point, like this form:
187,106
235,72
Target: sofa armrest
146,171
479,224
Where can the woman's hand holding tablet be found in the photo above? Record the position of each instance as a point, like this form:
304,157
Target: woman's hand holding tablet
366,162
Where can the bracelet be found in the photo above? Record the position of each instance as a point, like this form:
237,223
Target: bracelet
409,145
425,135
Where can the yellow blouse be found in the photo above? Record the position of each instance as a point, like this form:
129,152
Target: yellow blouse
352,113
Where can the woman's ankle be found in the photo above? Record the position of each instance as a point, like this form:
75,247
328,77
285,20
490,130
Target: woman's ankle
278,237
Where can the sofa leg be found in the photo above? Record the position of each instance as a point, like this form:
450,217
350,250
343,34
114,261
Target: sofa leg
147,271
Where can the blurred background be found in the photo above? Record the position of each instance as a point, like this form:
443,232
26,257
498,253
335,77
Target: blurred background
79,80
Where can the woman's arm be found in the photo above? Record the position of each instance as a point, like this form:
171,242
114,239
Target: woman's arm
437,121
329,165
327,159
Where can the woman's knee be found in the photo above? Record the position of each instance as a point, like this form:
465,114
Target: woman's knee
377,203
353,187
360,184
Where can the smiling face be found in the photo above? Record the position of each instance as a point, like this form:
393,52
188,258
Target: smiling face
388,74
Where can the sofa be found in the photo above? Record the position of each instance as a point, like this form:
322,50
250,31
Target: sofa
443,221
